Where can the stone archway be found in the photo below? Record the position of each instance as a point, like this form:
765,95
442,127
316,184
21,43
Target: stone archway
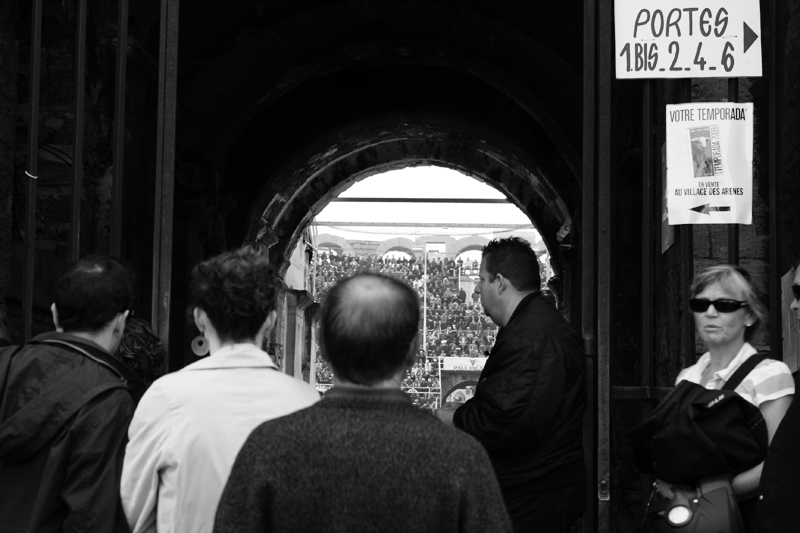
466,244
398,243
303,187
335,240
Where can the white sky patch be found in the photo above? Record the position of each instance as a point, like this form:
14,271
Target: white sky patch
420,182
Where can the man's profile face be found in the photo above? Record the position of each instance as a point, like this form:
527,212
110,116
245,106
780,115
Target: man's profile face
488,291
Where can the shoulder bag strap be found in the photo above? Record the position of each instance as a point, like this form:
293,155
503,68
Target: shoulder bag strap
743,370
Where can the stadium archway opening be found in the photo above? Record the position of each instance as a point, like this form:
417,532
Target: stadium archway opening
299,191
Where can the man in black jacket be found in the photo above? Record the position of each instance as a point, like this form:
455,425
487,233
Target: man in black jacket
65,406
528,406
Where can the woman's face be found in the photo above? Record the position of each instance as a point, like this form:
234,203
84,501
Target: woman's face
721,329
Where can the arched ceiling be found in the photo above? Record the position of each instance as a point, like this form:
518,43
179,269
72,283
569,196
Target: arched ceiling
292,101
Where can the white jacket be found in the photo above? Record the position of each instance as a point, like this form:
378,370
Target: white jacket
188,429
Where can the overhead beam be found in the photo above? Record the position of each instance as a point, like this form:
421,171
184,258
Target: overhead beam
422,200
423,225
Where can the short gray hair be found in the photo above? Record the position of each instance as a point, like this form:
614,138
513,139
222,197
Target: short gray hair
736,280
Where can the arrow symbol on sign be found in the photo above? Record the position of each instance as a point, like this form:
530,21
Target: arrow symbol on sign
707,209
749,37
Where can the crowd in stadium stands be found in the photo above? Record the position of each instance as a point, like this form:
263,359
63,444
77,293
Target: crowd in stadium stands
456,324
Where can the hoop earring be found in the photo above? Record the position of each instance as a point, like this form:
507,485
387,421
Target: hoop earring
200,345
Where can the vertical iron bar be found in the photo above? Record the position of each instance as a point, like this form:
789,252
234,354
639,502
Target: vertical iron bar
32,172
165,170
588,242
687,263
119,127
647,232
647,251
733,229
77,136
775,72
605,69
589,235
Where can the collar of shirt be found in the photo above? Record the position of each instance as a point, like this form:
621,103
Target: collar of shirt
720,377
235,356
521,305
340,391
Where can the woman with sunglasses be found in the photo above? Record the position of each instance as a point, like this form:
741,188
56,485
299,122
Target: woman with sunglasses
726,314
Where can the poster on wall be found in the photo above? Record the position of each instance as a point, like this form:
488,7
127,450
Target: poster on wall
687,38
710,163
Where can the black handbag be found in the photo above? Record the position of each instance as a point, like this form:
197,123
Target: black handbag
700,439
696,432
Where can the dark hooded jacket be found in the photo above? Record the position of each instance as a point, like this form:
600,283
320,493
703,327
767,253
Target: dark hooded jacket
65,406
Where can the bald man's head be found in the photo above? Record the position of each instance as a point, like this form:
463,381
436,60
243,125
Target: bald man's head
369,327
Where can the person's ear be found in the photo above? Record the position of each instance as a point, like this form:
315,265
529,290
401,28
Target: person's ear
750,317
200,318
502,282
413,349
119,322
55,318
268,324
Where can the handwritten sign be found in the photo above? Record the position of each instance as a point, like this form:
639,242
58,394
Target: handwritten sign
710,163
687,38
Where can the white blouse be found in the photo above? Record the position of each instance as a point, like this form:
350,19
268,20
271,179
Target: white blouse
769,380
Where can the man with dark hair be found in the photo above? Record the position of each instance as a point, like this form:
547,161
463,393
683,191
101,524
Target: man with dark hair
364,458
65,407
529,403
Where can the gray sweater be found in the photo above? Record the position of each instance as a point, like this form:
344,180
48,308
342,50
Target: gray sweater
361,460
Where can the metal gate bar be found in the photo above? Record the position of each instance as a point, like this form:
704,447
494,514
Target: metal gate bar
588,251
687,262
774,288
32,172
119,127
733,229
647,299
647,233
165,170
604,258
77,134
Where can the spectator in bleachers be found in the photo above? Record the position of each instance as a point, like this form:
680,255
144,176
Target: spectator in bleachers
451,314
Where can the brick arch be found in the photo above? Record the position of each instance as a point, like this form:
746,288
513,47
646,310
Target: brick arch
306,184
343,244
468,243
398,243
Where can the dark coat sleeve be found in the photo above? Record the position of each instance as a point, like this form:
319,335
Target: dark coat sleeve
515,407
482,507
92,480
244,505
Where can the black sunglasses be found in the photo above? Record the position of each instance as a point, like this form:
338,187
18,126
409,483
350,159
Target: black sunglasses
700,305
796,292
